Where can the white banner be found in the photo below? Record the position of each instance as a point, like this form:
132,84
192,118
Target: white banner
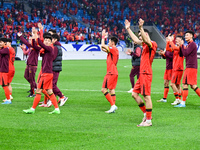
82,51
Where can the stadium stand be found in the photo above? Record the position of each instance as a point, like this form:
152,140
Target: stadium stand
82,20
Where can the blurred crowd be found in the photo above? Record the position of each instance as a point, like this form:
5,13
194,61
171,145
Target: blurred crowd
90,17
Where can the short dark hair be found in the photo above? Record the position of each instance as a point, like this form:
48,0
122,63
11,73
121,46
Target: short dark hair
9,40
47,35
178,36
52,30
3,39
190,31
145,30
56,36
114,39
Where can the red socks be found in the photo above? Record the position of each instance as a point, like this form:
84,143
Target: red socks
53,100
113,97
36,100
184,94
109,98
142,107
7,92
166,90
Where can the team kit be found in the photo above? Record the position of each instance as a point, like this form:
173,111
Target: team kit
47,46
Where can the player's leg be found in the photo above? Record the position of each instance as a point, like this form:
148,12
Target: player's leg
4,84
176,93
26,74
56,90
166,87
104,90
48,83
196,89
131,76
54,102
145,82
184,96
32,70
134,71
35,102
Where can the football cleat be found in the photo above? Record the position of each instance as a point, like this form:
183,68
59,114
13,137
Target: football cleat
112,109
177,101
55,112
29,111
63,101
180,105
7,102
162,100
144,124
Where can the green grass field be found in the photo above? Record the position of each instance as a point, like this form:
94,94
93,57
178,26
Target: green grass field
83,124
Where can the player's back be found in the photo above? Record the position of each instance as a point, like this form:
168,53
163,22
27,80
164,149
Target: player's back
147,58
112,60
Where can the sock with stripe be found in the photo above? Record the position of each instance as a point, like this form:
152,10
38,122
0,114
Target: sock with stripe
184,94
109,98
197,90
166,90
176,95
113,97
148,114
142,107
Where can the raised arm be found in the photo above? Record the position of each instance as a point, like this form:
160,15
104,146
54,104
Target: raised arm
103,46
145,37
132,35
47,48
40,26
24,40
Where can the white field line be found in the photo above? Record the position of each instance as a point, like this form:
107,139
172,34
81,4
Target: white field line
83,90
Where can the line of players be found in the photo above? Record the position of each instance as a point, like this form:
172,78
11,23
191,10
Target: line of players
143,85
49,48
175,55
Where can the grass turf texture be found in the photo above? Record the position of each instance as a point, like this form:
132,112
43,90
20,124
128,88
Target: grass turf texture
83,124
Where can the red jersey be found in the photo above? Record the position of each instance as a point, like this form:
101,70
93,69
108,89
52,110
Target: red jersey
112,59
12,58
177,59
147,57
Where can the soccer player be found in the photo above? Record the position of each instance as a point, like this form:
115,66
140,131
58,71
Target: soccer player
136,55
4,69
190,73
46,78
110,80
143,84
177,66
11,72
168,72
32,63
57,67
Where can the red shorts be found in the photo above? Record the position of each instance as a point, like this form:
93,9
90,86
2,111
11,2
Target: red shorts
190,76
143,85
168,74
110,81
176,77
11,74
45,81
3,79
